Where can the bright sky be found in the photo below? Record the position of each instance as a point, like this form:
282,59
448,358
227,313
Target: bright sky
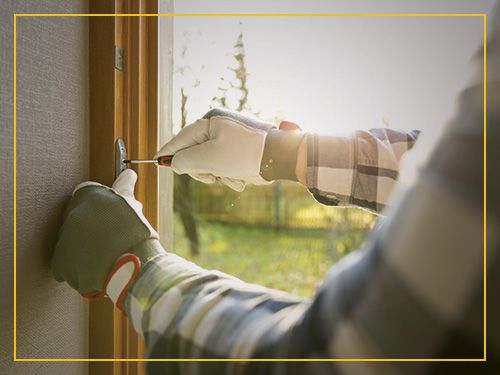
329,74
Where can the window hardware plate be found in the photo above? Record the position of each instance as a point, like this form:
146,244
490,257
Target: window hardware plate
120,156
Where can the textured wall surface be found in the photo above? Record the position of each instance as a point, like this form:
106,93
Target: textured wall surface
52,157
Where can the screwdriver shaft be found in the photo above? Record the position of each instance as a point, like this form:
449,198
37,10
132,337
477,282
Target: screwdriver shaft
164,161
143,161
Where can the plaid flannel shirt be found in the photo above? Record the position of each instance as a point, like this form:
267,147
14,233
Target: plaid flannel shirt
415,289
356,170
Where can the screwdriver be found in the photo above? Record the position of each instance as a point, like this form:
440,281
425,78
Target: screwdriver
165,161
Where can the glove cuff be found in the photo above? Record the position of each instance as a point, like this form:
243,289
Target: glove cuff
279,159
147,250
127,267
121,278
123,274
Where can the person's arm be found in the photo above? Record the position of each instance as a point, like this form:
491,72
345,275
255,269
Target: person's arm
414,291
360,169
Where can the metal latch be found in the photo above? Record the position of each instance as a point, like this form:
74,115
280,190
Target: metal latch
120,156
119,58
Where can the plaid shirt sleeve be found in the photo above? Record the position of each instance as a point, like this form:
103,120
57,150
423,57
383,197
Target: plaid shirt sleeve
415,289
356,170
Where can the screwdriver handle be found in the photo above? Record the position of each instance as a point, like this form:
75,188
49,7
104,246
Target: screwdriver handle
165,161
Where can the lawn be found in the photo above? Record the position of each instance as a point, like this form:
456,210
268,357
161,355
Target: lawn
294,260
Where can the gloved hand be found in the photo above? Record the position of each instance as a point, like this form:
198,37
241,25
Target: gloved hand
104,234
228,146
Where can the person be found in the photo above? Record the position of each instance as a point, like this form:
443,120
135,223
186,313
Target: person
414,290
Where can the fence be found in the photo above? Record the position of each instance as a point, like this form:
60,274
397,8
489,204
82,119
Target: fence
284,204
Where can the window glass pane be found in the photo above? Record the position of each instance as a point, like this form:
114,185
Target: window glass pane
330,75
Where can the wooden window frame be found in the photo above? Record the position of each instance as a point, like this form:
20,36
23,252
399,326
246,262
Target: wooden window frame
124,104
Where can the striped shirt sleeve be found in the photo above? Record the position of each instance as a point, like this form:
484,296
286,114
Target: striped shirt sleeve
360,169
184,311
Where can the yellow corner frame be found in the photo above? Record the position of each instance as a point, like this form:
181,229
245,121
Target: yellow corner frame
483,359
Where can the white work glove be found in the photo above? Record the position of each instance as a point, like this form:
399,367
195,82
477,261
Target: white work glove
223,145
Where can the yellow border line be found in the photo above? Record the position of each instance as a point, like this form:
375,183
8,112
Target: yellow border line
484,176
15,187
252,15
243,359
249,360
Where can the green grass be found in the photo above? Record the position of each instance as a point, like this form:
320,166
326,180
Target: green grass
295,261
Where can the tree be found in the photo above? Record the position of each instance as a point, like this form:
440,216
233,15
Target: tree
240,86
183,184
184,197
